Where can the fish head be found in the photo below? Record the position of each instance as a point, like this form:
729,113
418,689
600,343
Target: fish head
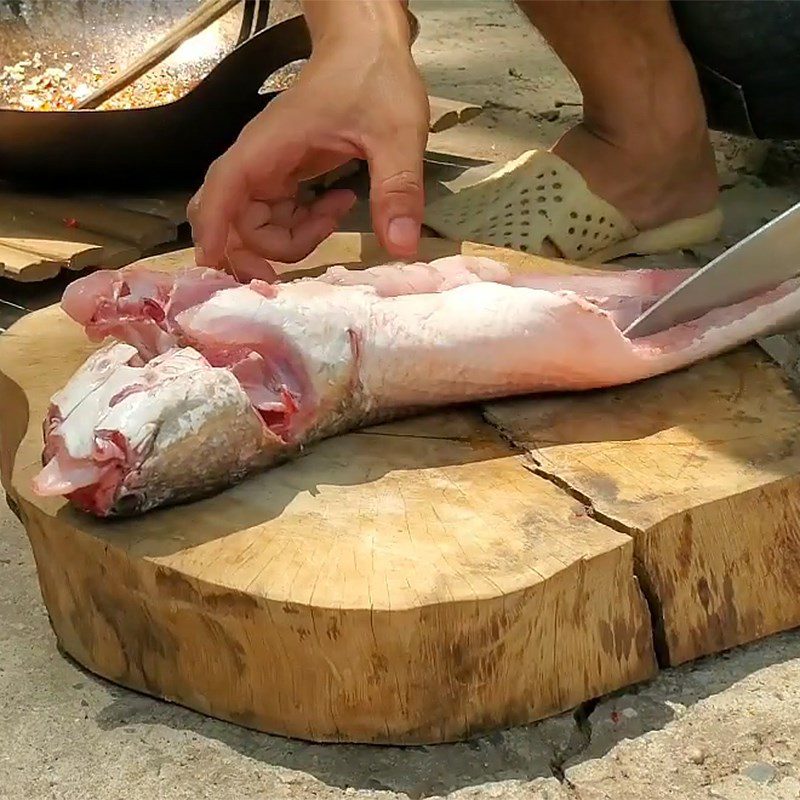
125,436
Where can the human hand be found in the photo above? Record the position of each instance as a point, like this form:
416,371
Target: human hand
366,102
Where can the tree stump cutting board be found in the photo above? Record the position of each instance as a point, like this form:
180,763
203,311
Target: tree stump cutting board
430,579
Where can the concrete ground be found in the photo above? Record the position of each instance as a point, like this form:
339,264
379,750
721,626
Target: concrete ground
725,727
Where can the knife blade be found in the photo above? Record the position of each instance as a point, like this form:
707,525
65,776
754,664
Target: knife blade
783,349
759,262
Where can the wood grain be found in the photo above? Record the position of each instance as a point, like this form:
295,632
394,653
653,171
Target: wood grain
408,583
702,469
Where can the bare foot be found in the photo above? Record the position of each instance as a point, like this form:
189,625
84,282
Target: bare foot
651,179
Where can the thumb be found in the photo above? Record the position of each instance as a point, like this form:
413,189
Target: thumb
397,198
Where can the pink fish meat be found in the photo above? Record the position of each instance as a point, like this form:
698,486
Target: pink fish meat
203,380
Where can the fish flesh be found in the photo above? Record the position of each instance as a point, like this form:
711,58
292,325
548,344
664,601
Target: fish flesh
202,380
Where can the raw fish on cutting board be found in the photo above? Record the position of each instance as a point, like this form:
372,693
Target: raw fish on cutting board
206,380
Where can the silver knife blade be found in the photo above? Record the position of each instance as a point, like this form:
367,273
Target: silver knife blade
764,259
784,350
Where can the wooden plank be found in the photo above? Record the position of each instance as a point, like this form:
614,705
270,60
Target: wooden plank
47,240
408,583
702,469
25,265
142,230
169,205
446,113
37,259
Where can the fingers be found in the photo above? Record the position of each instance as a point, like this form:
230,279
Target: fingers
289,245
265,155
214,206
192,211
397,196
334,203
288,233
246,266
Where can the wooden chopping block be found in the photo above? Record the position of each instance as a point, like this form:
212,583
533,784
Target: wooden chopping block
701,469
434,578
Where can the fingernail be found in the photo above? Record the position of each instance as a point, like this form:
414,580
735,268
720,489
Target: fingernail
403,233
199,256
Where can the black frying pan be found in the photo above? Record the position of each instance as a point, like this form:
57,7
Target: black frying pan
167,146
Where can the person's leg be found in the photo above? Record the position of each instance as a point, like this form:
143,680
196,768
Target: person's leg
643,144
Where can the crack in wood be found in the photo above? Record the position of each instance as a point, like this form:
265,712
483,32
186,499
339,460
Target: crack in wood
640,575
531,463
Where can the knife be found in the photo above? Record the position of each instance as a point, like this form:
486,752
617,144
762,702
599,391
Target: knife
759,262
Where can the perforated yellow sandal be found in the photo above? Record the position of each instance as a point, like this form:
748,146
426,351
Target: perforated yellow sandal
539,199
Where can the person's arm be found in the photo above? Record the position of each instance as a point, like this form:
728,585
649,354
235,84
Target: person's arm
357,22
